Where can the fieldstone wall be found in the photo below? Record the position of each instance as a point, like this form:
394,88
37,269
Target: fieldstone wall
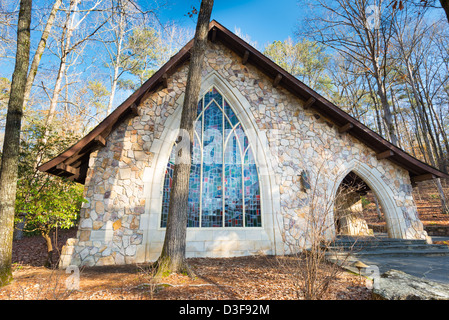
441,231
115,223
111,229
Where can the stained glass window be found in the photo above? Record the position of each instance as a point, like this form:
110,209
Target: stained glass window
224,183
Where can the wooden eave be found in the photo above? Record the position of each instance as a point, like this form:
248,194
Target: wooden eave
77,156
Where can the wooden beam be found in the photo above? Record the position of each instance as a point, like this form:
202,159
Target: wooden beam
385,155
100,141
346,128
245,57
68,169
277,80
424,177
77,161
309,103
165,80
214,35
134,110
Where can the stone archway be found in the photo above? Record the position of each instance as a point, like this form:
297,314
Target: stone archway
398,224
350,216
208,242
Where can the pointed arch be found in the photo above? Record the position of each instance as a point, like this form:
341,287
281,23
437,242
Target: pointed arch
224,180
264,238
395,220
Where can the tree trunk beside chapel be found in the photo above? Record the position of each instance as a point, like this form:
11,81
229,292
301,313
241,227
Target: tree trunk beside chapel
173,252
10,156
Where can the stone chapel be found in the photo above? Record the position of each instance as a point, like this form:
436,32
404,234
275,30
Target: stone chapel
269,153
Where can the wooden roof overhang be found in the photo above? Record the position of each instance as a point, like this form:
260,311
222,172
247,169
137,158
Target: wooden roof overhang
73,162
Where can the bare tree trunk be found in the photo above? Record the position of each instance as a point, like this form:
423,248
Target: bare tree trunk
395,118
408,137
10,157
444,136
173,252
115,77
427,131
114,82
388,117
444,206
376,107
40,51
49,244
379,213
65,50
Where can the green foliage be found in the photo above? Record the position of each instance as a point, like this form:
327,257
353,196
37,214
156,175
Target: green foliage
5,85
365,201
142,56
305,59
97,97
5,276
46,202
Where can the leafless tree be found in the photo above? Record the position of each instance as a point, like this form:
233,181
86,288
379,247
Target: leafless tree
70,43
10,156
362,30
40,50
421,65
8,12
125,18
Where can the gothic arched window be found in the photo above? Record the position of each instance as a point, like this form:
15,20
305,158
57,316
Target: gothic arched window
224,184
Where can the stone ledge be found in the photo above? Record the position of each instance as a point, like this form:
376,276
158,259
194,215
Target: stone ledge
397,285
437,230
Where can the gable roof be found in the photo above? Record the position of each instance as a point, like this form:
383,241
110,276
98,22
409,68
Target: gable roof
73,162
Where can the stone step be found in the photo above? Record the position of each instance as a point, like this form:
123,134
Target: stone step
377,243
380,244
427,252
346,243
373,248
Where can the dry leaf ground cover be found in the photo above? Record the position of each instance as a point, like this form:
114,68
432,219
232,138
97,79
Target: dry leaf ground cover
247,278
244,278
255,278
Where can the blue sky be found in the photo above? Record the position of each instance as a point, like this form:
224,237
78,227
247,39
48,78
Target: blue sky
262,20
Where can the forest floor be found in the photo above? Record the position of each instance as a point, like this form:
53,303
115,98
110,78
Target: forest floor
254,278
243,278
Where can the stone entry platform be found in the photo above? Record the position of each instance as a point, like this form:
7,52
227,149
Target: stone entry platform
382,254
380,244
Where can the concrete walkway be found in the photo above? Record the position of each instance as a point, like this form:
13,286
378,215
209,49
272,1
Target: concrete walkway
433,268
426,266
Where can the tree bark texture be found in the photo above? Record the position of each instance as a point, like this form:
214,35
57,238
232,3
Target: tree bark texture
10,157
173,252
388,116
40,50
48,242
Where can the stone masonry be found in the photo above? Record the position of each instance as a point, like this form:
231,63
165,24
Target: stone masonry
117,221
